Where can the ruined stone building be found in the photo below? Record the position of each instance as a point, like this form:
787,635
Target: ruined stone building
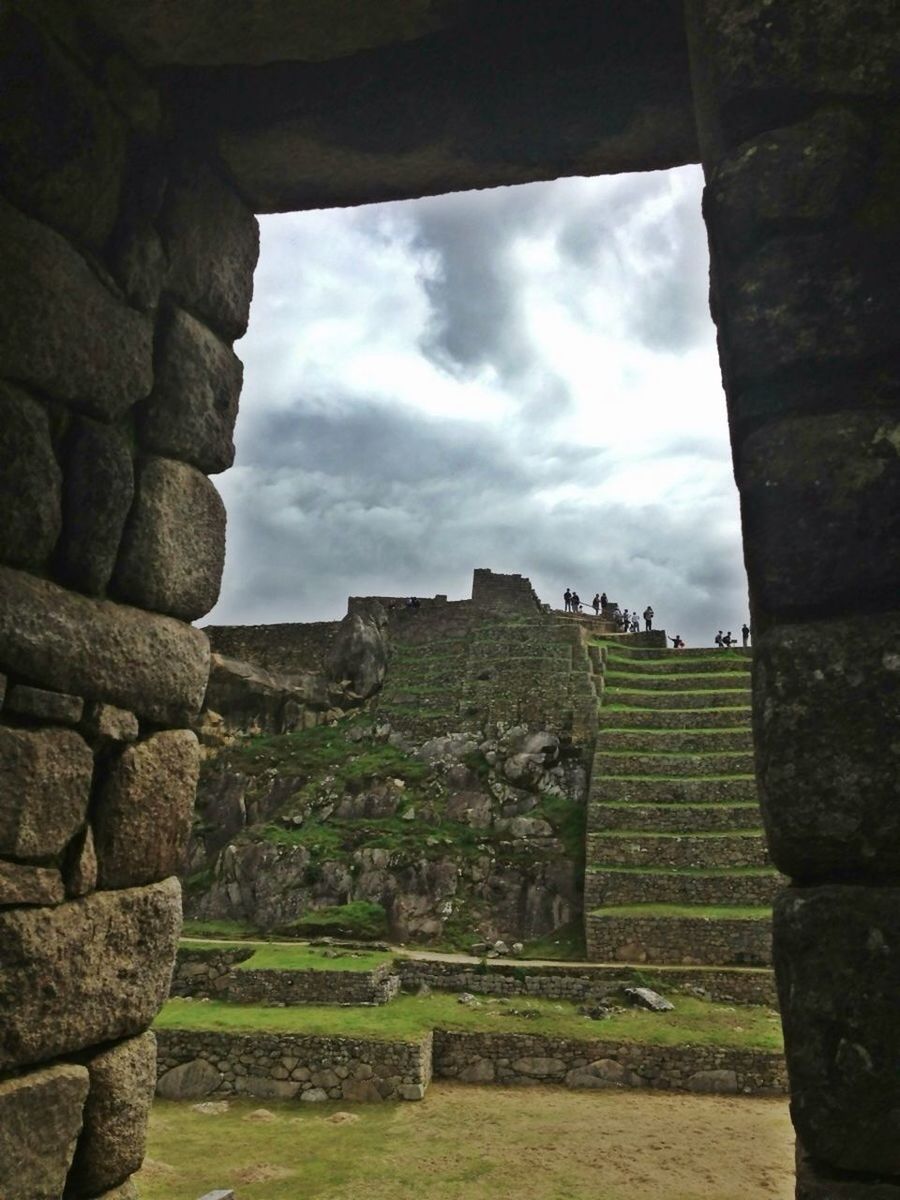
137,140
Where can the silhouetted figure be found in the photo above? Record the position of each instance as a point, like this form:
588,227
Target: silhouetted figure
567,597
719,640
635,625
745,634
626,621
648,618
604,601
576,602
728,640
677,642
596,604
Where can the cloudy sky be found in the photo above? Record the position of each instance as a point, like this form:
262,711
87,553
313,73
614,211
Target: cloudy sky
522,378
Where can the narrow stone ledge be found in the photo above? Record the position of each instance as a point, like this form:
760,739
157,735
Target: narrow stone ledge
85,972
150,664
40,1118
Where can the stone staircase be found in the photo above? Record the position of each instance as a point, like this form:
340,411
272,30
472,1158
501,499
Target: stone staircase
676,864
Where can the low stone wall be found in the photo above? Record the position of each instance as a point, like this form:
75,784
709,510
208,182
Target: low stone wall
581,984
724,941
215,975
604,887
525,1059
196,1064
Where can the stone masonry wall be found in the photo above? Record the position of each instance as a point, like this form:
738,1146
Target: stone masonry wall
194,1064
652,940
286,648
127,263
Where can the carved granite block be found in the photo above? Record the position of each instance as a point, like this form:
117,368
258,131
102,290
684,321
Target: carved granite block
105,723
153,665
173,549
29,885
191,412
42,705
85,972
40,1119
45,784
144,807
29,481
98,490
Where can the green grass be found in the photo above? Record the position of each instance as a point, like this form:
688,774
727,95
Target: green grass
693,872
565,944
712,912
614,706
230,930
358,919
313,958
409,1018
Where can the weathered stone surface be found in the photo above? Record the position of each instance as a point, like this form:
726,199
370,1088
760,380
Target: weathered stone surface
268,1089
821,511
359,652
818,298
249,697
189,1081
143,810
539,1065
721,1081
191,411
111,1146
58,707
61,329
61,144
604,1073
125,1191
837,963
788,178
98,491
85,972
29,885
45,786
173,549
29,481
40,1118
826,693
212,240
106,723
816,1181
148,663
80,870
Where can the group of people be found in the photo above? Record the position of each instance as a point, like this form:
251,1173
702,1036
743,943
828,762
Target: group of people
573,602
724,641
626,622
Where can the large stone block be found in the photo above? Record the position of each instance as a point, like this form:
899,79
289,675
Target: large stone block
30,481
816,300
212,240
61,329
802,175
45,786
173,550
820,500
29,885
189,1080
61,144
38,704
837,963
152,665
111,1146
826,695
40,1118
144,808
191,412
85,972
98,491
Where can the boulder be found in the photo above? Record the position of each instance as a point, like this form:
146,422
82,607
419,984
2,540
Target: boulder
85,972
540,1066
720,1081
189,1081
173,547
40,1119
144,808
480,1071
314,1096
30,481
643,997
56,708
45,785
105,723
250,697
111,1146
359,652
153,665
602,1073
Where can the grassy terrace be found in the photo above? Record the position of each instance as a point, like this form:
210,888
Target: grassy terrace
697,872
693,1021
709,912
644,834
297,958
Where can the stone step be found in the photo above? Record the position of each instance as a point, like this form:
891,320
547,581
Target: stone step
634,848
712,665
680,936
620,719
619,762
639,698
686,741
669,790
673,818
713,682
644,653
612,886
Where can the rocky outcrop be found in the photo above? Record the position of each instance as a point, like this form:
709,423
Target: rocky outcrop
359,653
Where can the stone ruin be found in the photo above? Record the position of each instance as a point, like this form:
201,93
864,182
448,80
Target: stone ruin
137,139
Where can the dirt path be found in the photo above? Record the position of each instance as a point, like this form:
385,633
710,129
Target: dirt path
470,1143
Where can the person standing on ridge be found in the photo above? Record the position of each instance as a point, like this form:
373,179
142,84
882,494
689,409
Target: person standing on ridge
635,624
719,640
604,601
648,618
626,621
745,634
576,602
596,605
567,597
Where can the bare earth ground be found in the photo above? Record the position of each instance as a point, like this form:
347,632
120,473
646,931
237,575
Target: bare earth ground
477,1143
